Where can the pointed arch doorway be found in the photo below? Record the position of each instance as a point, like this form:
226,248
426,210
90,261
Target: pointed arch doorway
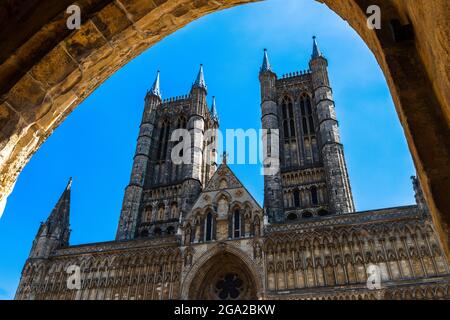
225,276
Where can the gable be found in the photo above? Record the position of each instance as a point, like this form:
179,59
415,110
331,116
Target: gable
223,185
222,179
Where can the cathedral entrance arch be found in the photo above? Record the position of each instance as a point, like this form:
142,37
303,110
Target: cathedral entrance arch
224,274
223,277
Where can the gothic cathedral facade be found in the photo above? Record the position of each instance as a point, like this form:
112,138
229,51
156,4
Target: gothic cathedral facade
191,230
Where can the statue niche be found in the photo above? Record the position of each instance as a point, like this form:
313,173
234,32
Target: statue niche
222,208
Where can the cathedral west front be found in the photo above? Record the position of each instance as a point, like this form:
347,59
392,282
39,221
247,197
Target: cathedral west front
193,231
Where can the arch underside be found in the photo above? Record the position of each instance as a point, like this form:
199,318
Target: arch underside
47,70
220,260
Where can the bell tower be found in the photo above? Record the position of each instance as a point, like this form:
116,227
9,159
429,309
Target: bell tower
162,190
313,179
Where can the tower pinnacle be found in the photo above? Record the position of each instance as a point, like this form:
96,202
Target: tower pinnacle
213,109
55,231
316,51
200,81
60,213
265,64
155,90
69,184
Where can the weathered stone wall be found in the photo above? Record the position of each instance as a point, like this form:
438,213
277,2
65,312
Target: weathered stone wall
329,257
132,270
322,258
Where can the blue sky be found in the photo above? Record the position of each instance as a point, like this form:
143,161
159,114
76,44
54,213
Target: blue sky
95,145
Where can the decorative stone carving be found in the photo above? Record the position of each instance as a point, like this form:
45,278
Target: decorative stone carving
222,208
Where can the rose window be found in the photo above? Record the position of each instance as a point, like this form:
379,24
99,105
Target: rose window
229,287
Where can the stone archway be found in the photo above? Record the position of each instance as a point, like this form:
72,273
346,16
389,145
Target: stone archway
47,70
223,272
223,277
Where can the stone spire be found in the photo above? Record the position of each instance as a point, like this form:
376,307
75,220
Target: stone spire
316,51
55,231
418,194
265,64
213,109
200,81
155,90
60,213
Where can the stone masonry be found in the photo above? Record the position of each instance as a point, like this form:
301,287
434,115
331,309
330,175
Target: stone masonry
193,231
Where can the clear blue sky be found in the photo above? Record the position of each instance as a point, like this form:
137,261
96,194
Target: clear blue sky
95,145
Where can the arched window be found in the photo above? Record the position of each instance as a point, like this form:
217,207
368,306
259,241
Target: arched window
311,124
302,107
308,129
181,125
148,214
307,214
157,231
292,126
237,224
269,143
288,118
290,147
291,110
163,140
305,126
174,211
170,230
161,212
296,198
144,233
292,216
209,227
307,116
314,199
323,212
286,129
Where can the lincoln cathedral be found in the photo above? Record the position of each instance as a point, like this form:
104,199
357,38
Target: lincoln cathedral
193,231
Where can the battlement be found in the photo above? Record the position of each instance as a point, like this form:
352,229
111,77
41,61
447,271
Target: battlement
172,99
295,74
294,78
175,100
